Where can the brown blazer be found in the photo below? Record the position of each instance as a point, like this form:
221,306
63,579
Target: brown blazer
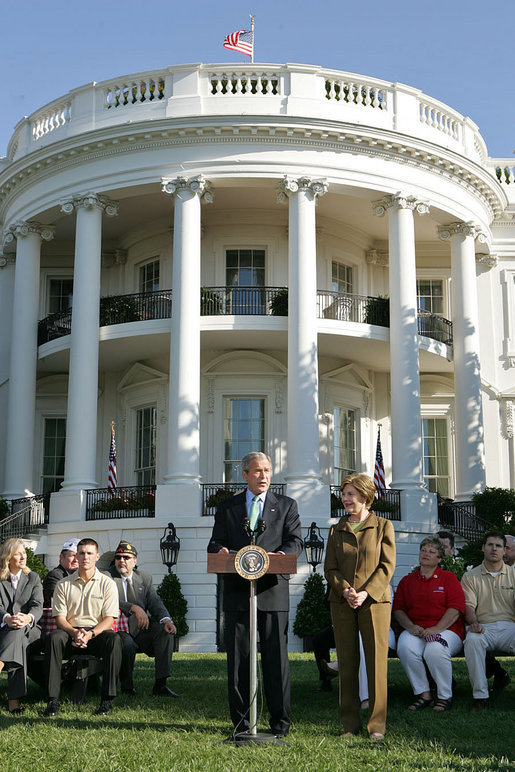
364,560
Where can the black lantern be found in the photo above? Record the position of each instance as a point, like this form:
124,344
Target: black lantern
314,546
170,545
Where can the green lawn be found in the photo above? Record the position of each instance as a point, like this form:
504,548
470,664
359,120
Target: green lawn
149,733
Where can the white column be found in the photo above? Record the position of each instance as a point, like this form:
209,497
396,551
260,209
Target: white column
183,464
19,472
303,437
404,365
81,424
470,465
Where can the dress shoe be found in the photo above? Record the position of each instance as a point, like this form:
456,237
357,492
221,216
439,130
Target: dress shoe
324,686
480,704
163,691
329,671
52,708
130,690
501,680
19,711
105,708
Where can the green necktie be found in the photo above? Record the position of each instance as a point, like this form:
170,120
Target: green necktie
254,513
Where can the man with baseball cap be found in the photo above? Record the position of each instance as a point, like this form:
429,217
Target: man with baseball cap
67,565
139,602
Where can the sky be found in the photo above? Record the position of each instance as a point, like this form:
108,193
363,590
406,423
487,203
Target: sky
457,51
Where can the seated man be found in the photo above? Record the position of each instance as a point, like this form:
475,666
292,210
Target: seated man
489,612
85,605
67,565
138,601
509,551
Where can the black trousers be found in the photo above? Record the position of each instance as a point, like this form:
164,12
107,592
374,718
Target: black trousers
273,639
323,642
107,646
154,642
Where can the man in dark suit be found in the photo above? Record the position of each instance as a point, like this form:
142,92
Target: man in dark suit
139,601
282,534
67,565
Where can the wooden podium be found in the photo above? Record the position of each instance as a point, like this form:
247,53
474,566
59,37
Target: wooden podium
223,563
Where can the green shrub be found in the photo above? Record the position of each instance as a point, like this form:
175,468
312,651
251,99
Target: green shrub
4,509
35,564
279,302
312,612
377,311
170,593
496,508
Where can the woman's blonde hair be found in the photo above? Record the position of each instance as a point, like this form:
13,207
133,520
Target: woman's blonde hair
434,541
7,550
363,484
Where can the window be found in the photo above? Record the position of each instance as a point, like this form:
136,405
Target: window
244,431
146,422
54,444
341,278
60,294
149,277
430,296
344,444
436,455
246,268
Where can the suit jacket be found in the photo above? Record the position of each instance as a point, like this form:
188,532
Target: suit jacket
364,560
28,598
49,583
146,597
282,534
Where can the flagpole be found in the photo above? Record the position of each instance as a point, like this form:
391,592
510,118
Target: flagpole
252,29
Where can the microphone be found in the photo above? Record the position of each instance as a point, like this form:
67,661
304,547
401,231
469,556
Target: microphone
246,528
260,526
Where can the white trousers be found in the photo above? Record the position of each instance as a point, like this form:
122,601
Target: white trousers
414,652
497,635
362,676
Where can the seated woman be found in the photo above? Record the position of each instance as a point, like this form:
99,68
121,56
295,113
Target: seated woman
21,606
428,604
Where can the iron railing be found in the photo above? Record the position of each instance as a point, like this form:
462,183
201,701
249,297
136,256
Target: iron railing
244,301
386,504
435,327
362,309
214,493
27,515
133,501
460,517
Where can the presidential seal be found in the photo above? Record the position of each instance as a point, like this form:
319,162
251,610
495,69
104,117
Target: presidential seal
251,562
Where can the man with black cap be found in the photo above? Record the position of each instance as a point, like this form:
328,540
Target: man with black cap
139,601
67,565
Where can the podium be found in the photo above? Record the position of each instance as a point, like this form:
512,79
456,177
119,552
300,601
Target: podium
234,563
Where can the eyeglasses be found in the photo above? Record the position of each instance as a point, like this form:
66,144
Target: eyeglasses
124,557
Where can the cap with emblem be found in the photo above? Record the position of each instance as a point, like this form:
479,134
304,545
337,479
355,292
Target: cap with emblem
70,545
125,548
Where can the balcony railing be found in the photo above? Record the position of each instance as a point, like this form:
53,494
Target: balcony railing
133,501
386,504
460,517
214,493
244,301
27,515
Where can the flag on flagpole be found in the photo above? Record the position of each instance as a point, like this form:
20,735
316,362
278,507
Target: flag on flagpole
241,41
379,478
111,476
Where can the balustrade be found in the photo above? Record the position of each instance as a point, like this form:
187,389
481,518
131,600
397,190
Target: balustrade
356,92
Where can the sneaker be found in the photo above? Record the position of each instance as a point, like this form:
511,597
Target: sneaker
105,708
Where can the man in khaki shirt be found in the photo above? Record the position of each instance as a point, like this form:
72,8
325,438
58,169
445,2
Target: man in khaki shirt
85,605
489,611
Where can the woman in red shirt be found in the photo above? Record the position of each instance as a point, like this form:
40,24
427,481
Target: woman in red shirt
429,603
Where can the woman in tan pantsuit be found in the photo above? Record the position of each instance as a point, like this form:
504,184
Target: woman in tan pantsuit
359,564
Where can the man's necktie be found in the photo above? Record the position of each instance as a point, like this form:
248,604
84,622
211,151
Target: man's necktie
254,513
131,597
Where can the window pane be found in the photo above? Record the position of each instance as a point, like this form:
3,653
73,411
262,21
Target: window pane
436,455
341,278
146,423
149,277
54,444
430,295
244,431
60,295
344,443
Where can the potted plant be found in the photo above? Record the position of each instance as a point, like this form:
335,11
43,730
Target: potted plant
377,311
279,302
312,612
210,302
170,592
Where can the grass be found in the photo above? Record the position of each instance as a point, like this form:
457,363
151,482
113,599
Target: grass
150,733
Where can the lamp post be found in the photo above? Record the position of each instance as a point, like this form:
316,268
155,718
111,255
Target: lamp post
314,546
170,544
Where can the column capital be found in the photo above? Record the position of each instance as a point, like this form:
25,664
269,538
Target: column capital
291,185
377,257
464,228
25,227
489,261
90,201
399,201
197,185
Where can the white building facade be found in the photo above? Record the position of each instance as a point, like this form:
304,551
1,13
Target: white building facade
202,254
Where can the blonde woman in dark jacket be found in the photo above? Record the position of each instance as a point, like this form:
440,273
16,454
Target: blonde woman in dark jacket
359,564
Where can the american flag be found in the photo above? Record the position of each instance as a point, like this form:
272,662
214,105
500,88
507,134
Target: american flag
111,475
379,479
242,41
